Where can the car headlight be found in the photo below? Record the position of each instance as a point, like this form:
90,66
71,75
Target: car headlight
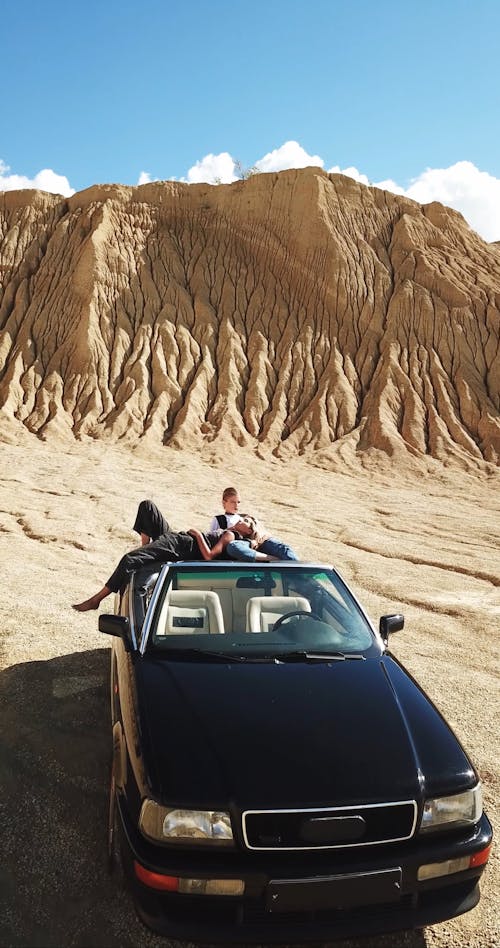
460,809
171,825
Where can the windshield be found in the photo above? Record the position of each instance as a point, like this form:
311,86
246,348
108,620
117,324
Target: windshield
258,612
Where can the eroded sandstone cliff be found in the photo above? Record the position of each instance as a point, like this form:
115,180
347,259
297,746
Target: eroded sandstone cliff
293,312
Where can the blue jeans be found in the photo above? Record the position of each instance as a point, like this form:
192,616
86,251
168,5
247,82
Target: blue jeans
241,550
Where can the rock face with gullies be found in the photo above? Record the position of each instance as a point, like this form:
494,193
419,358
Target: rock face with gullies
295,313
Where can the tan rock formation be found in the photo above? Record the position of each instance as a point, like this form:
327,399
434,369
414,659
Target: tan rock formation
297,312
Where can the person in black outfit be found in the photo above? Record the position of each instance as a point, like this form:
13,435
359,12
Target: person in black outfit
160,544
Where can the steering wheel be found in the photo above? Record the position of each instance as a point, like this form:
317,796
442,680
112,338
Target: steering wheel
296,612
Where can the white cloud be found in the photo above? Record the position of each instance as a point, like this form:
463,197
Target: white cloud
389,185
224,169
290,155
350,173
45,180
213,169
475,193
462,186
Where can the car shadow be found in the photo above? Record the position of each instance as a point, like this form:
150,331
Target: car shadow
54,771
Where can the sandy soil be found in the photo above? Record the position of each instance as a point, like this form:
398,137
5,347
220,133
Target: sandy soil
426,545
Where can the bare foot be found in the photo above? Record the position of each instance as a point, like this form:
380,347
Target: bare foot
92,603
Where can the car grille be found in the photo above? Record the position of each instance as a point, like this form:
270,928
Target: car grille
331,828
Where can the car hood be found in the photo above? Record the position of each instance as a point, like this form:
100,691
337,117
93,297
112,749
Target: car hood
293,734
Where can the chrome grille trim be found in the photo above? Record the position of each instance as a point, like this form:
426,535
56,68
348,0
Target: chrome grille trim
330,809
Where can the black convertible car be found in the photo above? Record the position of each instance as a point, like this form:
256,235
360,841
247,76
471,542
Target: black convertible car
277,775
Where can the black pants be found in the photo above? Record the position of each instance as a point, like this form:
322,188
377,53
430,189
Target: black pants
167,546
150,520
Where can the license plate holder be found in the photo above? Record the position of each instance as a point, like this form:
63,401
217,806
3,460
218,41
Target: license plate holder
334,892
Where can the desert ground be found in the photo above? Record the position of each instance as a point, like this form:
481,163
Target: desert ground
424,542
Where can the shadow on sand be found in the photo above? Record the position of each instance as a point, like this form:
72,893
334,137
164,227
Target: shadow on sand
54,771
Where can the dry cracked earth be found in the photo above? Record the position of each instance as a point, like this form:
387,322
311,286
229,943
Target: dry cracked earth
427,548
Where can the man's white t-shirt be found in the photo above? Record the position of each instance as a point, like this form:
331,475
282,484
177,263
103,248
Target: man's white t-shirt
232,520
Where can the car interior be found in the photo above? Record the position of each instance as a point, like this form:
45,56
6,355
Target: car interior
241,602
189,610
228,600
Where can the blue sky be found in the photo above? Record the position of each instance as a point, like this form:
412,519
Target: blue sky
400,94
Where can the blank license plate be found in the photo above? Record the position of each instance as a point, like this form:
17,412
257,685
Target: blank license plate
334,892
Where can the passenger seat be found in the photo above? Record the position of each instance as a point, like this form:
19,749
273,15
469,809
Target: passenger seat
193,610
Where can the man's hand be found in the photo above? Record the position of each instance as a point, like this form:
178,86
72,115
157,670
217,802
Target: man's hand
244,528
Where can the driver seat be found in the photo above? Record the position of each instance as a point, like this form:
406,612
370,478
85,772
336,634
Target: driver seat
263,611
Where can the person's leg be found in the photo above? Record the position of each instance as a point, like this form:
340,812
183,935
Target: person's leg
241,550
150,522
133,560
276,548
168,548
94,601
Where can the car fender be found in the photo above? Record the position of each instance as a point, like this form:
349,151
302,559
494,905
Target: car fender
119,756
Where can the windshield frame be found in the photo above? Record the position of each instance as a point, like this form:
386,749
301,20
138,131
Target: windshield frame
233,641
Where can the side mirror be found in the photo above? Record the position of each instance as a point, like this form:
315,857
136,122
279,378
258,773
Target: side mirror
116,625
389,624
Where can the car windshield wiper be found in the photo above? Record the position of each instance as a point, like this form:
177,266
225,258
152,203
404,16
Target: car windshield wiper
201,653
205,656
301,656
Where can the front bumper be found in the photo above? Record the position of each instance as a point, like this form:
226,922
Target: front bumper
310,904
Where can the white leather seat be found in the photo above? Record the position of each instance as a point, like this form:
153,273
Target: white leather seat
263,611
193,610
